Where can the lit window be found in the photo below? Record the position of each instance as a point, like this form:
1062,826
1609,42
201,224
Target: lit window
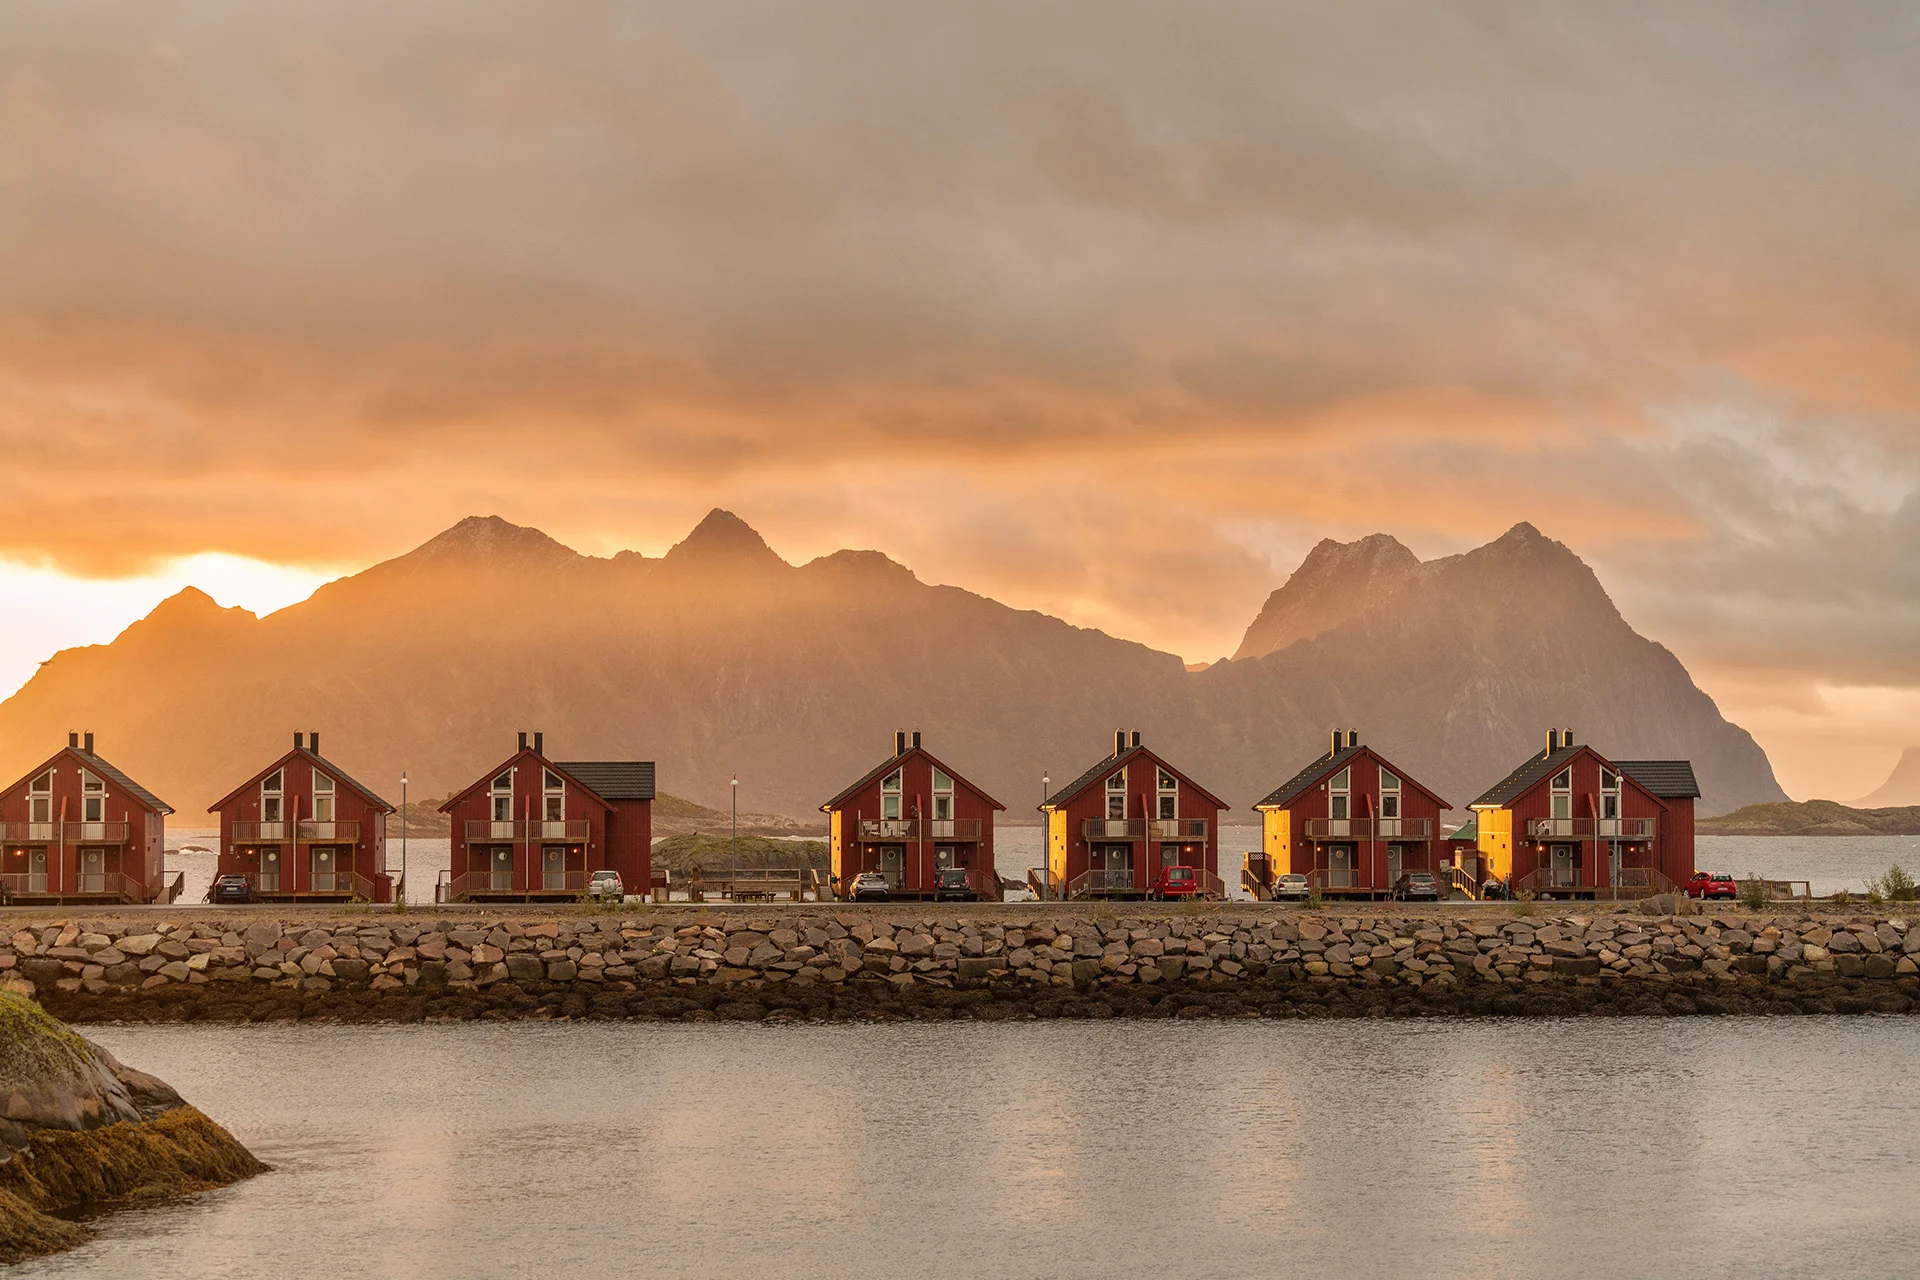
890,797
1117,796
942,797
1167,794
322,797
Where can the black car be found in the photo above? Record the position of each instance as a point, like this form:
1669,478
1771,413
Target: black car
231,889
952,886
1417,885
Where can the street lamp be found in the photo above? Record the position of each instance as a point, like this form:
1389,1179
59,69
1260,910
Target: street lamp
1046,863
733,847
403,836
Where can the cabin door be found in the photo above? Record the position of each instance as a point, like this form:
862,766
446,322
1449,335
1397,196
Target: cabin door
499,867
1395,856
1563,868
1119,866
325,869
93,871
892,857
37,871
270,871
1613,863
553,866
1340,866
949,855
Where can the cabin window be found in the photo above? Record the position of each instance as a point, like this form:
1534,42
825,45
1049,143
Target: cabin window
1609,794
890,796
1389,795
271,796
1117,796
553,795
40,798
1563,793
1167,793
93,798
942,797
322,797
502,793
1340,796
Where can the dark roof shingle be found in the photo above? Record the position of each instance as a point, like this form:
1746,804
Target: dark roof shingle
1283,794
612,779
132,788
1530,771
1668,779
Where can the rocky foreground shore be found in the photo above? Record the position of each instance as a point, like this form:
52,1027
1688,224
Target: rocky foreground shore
1043,960
82,1134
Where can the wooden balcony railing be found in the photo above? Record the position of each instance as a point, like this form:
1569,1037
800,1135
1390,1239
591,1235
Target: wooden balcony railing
1598,882
305,831
1367,828
1590,828
1144,829
258,832
572,830
957,830
66,832
30,832
32,884
1093,883
483,883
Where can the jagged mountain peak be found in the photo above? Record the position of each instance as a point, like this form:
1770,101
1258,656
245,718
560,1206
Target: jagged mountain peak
1336,581
484,539
723,538
190,607
864,565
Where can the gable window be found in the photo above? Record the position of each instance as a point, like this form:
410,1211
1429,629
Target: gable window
322,797
1167,794
553,796
93,798
1609,797
1389,805
1340,796
1563,795
40,798
942,797
502,795
272,796
1117,797
891,797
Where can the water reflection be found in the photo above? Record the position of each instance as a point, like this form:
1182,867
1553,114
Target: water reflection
1112,1149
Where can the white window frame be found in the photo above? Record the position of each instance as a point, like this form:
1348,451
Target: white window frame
1166,790
893,796
1561,802
273,790
1117,793
93,798
942,797
1340,795
552,787
501,798
323,793
40,799
1389,797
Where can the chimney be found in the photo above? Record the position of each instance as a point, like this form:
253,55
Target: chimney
73,741
539,744
313,743
1136,739
1334,750
1119,743
916,739
1353,737
523,740
899,743
1553,742
1566,739
86,742
299,741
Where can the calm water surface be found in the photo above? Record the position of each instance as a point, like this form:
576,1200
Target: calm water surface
1493,1148
1829,863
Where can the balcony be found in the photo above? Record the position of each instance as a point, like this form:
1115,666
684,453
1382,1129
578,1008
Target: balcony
1144,829
502,882
30,832
1177,829
95,832
1590,828
19,886
1390,829
888,830
572,830
305,832
258,832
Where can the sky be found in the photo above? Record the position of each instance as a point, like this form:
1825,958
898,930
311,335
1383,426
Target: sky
1107,309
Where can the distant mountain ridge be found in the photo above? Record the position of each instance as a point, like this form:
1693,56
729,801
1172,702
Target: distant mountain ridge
721,658
1813,818
1902,786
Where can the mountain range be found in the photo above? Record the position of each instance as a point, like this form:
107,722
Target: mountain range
1902,786
720,658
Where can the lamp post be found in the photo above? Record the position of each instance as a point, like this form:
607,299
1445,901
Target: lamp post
1046,863
733,847
403,838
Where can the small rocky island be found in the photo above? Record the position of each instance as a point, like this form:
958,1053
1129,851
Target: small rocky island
82,1134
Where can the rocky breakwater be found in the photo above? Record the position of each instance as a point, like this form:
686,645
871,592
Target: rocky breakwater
971,962
82,1133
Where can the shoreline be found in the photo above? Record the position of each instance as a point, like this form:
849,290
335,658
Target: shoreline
988,961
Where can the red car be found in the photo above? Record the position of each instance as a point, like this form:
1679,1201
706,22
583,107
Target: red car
1704,885
1175,882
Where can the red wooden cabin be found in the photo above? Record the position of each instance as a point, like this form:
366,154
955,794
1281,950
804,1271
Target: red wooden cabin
909,818
533,829
1572,823
1112,829
1352,822
76,829
301,829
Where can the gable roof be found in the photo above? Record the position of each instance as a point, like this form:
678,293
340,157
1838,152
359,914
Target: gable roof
1468,832
1668,779
1534,770
325,765
1297,785
891,763
612,779
513,760
145,798
1106,767
1529,772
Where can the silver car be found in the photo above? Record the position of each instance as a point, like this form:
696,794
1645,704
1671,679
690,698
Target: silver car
871,886
1291,887
606,884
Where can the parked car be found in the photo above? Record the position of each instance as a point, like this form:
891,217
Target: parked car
1174,883
1291,887
231,889
606,884
950,885
1495,890
871,886
1705,885
1417,885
